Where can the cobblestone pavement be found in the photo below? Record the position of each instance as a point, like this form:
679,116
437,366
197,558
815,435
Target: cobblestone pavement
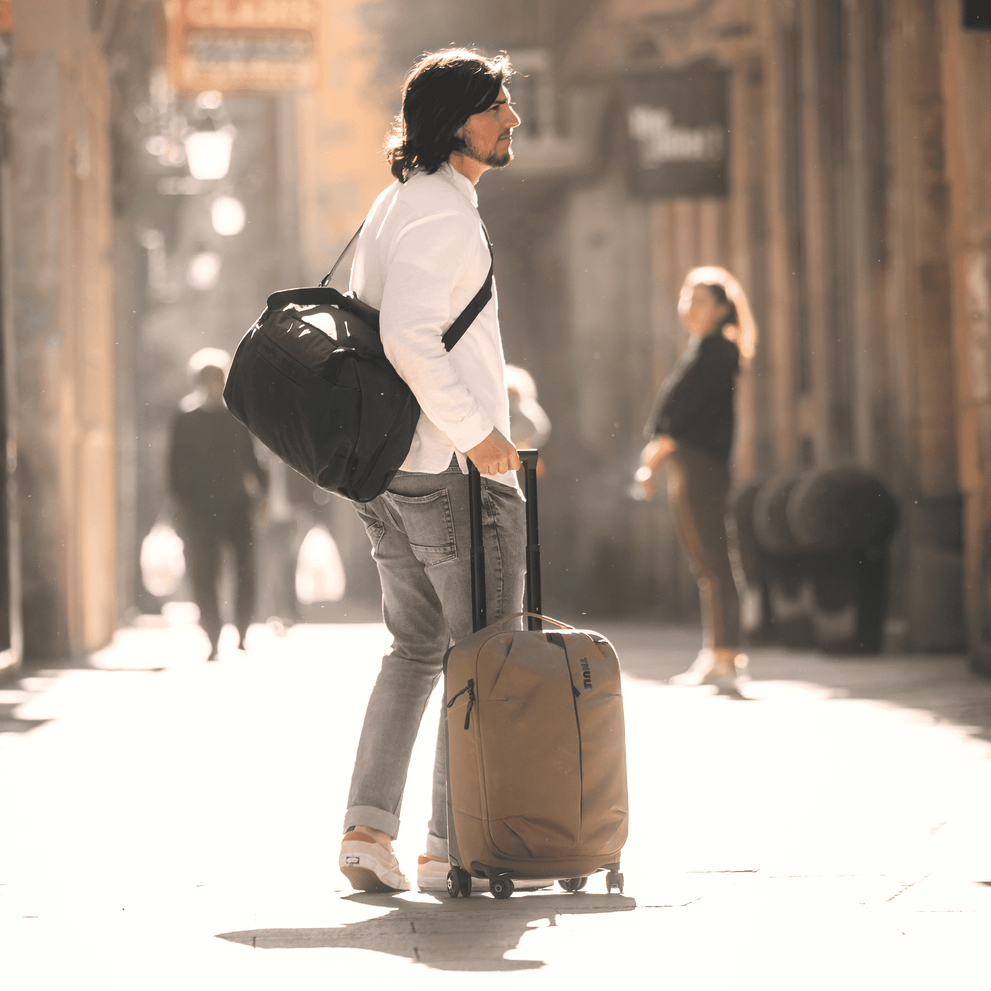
168,823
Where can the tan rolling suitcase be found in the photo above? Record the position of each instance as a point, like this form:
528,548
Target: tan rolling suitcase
536,742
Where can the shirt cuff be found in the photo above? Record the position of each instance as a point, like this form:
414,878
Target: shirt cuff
470,431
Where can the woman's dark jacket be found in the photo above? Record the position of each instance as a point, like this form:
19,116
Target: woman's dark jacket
695,402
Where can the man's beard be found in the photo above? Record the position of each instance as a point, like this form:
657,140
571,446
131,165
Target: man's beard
494,159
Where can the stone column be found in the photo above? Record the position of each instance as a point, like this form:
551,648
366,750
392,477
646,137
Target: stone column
966,78
61,308
920,328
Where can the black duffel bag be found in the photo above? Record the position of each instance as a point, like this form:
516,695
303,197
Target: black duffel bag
311,382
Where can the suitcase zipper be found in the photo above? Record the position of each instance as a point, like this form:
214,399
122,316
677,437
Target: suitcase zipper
470,689
558,641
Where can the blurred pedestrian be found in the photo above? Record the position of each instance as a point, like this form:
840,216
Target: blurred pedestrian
216,481
690,431
529,425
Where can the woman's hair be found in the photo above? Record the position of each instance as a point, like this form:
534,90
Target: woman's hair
738,324
441,92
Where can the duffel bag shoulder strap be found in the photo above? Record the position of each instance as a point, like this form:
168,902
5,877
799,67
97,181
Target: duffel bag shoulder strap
326,280
320,295
324,294
456,331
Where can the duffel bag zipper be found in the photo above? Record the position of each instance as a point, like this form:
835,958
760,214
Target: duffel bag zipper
470,689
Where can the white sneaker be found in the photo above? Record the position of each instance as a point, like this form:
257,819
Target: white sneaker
431,875
369,866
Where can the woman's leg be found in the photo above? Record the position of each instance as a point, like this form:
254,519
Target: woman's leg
697,491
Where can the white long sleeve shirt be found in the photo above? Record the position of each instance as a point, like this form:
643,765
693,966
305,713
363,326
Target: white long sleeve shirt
420,259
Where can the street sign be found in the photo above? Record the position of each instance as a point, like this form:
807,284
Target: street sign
677,125
242,45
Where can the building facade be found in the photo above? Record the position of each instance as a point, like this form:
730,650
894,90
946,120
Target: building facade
59,331
854,212
835,163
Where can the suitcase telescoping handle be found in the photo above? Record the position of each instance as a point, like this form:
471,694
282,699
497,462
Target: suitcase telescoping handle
533,603
477,548
529,459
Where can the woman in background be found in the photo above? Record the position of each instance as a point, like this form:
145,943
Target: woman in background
690,431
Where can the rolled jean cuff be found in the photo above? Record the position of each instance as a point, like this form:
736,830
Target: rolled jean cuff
436,846
368,815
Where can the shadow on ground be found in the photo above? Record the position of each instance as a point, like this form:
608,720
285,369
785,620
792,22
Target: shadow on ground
11,722
473,934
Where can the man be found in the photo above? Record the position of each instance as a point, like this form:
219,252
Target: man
421,257
215,478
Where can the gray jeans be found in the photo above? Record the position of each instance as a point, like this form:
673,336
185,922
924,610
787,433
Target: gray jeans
421,545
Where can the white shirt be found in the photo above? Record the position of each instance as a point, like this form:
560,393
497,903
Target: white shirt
420,259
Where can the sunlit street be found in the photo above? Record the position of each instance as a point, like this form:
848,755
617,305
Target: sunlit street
172,821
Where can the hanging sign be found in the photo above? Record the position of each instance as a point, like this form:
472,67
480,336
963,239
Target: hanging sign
242,45
677,126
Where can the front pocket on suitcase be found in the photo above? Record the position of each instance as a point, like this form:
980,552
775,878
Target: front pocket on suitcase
529,754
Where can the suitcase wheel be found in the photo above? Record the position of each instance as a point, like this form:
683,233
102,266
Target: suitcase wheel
458,882
573,883
614,880
502,887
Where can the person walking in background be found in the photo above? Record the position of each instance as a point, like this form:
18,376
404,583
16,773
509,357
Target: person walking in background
420,259
690,431
529,425
216,481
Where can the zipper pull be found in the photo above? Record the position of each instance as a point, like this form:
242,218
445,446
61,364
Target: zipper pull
470,689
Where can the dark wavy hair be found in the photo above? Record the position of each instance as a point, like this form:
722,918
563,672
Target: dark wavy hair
441,92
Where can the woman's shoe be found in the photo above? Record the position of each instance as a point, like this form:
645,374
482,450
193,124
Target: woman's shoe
708,669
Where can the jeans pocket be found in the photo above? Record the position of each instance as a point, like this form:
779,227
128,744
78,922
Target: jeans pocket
502,506
429,525
375,530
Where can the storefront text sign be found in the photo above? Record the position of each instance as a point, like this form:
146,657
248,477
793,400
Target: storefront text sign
677,125
242,45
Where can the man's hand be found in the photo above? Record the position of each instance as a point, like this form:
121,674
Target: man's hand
495,455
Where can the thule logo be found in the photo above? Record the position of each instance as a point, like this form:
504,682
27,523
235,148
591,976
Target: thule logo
586,672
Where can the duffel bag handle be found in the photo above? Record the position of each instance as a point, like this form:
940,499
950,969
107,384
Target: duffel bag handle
326,280
305,296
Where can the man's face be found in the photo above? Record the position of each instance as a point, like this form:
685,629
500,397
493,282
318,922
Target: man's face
488,135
